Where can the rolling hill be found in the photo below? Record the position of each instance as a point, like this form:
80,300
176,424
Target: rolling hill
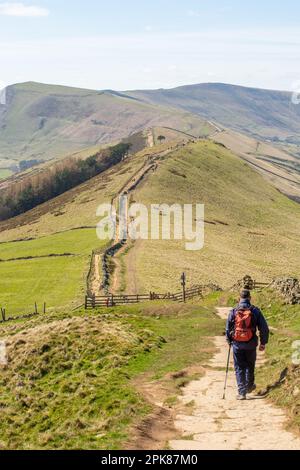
41,122
250,227
45,121
264,114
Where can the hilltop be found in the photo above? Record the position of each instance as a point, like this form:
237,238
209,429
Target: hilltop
250,226
48,121
264,114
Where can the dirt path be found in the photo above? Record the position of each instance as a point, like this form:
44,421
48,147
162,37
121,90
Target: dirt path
137,178
96,279
149,166
217,424
131,276
150,138
95,283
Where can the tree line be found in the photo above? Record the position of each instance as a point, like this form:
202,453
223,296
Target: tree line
34,190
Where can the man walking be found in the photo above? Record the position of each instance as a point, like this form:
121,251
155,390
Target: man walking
242,325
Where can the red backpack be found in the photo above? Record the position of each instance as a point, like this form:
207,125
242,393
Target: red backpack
243,329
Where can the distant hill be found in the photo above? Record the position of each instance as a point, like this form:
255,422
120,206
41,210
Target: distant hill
250,228
262,113
46,121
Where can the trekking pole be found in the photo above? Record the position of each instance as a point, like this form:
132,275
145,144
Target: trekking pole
227,370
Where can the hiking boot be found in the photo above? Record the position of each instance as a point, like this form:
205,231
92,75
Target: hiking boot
251,389
241,397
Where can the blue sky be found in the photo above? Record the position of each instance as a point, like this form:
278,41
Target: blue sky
150,44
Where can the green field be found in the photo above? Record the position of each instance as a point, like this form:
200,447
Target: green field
59,281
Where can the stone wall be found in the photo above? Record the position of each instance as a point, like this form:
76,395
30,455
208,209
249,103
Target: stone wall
289,288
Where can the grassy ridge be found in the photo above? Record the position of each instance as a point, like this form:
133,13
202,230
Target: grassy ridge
48,121
262,113
68,383
250,227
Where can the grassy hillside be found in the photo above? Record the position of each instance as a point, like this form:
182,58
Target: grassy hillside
286,329
5,173
280,166
71,380
45,121
250,227
262,113
63,226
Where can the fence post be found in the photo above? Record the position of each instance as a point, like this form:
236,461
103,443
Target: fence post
183,283
112,300
3,313
94,301
85,302
44,307
35,308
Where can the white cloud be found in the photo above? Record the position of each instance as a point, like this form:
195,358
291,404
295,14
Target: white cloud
21,10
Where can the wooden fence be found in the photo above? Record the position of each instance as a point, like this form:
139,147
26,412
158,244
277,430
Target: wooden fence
260,285
125,299
4,317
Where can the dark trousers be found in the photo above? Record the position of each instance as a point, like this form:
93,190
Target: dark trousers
244,364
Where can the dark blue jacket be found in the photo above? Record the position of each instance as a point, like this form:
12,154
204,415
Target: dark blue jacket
258,323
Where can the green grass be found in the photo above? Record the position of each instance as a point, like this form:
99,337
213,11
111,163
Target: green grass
70,379
5,173
58,281
286,320
78,242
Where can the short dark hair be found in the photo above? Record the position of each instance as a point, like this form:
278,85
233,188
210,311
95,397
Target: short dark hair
245,294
